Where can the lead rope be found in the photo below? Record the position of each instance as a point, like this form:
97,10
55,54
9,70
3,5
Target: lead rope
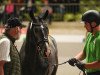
83,73
65,63
60,63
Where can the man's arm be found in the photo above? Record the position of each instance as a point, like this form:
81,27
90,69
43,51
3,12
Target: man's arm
81,55
4,53
93,65
1,67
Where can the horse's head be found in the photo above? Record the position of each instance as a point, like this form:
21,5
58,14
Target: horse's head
39,30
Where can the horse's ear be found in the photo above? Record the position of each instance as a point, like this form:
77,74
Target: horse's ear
44,15
31,14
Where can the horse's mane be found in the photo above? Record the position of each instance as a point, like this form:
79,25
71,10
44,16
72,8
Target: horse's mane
30,45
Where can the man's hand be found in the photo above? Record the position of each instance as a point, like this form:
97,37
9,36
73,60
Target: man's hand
72,61
80,65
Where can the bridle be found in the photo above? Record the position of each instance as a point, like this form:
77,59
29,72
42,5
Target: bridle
41,42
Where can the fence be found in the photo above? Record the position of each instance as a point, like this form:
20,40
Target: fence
61,12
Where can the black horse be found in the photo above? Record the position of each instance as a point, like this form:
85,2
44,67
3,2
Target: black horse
39,50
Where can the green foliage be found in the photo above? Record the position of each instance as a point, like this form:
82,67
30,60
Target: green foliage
83,9
26,16
88,5
57,17
69,17
78,16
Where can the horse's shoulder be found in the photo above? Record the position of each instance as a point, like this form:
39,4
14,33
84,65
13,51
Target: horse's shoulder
52,41
51,38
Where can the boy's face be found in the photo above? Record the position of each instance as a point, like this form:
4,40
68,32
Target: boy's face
87,26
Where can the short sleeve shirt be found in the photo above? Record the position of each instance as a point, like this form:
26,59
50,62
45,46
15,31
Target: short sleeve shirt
92,49
4,49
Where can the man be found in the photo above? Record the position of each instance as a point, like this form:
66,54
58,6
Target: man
91,50
9,56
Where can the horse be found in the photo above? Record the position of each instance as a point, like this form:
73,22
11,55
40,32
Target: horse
39,51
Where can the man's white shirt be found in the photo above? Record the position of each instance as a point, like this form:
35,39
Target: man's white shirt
5,49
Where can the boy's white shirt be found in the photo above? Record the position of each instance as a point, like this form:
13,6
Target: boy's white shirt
5,49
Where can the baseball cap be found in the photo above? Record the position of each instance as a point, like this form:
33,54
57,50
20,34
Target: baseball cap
13,22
